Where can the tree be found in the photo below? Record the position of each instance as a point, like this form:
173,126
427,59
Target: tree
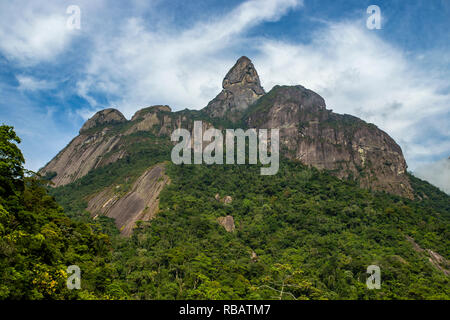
38,241
287,282
11,162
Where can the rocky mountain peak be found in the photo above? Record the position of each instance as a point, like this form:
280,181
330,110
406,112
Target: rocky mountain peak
244,74
344,144
306,98
241,87
309,133
153,109
105,116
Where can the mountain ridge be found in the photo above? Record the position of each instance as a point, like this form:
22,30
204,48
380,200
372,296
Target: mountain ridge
310,133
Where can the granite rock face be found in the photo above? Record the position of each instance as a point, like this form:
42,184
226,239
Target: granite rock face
84,153
139,204
87,151
241,87
106,116
104,140
343,144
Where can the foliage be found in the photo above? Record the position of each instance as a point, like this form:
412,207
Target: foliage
11,161
301,234
314,236
310,230
38,242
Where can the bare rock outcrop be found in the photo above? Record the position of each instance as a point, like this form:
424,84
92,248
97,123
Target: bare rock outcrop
343,144
253,256
224,200
83,154
438,261
91,149
106,116
227,222
241,87
103,140
140,203
227,200
151,118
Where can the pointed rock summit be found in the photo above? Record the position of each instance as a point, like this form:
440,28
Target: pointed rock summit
244,75
241,87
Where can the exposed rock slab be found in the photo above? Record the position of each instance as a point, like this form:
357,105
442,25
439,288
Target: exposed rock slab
227,222
224,200
438,261
105,142
83,154
140,203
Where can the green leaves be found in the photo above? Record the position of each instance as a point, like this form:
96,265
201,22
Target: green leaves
37,241
300,234
11,162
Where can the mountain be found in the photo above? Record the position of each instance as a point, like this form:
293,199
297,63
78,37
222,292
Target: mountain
343,144
171,231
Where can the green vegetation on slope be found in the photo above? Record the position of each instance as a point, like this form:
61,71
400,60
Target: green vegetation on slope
302,231
305,226
38,242
143,150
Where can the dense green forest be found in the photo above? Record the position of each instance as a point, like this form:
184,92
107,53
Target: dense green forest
38,241
301,234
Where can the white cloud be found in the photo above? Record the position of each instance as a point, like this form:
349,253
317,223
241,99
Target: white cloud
139,66
32,84
36,31
437,173
29,35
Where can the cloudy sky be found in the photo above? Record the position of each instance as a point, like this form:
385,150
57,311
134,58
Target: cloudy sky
176,52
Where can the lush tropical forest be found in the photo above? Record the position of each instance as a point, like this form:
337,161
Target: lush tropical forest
301,234
38,241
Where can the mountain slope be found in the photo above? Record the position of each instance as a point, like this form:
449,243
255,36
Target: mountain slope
301,223
310,133
344,144
139,204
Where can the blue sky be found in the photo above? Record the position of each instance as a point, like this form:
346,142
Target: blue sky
140,53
